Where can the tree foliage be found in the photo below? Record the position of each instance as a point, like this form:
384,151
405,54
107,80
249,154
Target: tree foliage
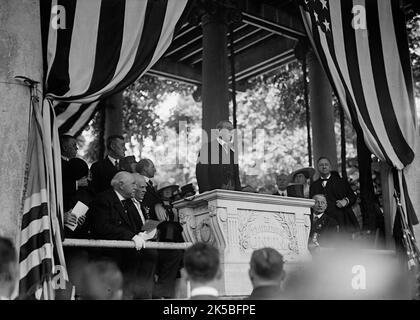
273,103
413,28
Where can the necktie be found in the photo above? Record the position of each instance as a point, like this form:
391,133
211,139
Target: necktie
324,182
126,204
117,164
140,210
315,219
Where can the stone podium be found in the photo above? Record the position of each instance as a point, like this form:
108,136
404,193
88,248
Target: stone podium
240,222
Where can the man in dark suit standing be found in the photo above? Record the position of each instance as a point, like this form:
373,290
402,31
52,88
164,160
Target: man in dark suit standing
324,229
202,266
68,146
340,197
147,169
104,170
217,166
115,217
266,274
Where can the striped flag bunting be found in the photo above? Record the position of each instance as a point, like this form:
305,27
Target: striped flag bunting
107,45
363,47
104,46
40,238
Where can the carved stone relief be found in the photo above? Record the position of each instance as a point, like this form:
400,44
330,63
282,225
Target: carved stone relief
259,229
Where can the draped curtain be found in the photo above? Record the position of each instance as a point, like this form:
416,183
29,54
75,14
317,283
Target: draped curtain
105,46
363,47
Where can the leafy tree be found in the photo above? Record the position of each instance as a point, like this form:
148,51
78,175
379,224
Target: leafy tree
273,103
413,29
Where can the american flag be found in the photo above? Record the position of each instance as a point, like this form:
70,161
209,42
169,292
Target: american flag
362,45
105,46
40,241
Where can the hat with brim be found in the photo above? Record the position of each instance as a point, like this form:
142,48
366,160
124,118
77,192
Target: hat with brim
188,188
78,168
308,172
166,185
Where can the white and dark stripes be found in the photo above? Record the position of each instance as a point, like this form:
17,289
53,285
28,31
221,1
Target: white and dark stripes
370,72
35,253
107,45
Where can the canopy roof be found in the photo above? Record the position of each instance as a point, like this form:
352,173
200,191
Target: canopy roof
264,40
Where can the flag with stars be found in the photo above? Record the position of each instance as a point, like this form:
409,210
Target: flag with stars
363,47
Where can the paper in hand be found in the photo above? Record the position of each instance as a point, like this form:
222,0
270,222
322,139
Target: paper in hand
149,225
147,235
79,209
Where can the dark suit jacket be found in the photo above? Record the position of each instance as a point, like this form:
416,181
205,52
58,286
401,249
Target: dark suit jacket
337,189
102,173
326,229
266,293
111,221
216,168
86,196
69,184
151,198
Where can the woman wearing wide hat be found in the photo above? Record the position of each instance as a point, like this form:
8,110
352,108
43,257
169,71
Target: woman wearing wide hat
302,176
170,228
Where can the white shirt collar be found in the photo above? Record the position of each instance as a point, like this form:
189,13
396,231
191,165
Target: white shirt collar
318,215
282,191
65,158
137,204
120,197
112,159
329,175
204,291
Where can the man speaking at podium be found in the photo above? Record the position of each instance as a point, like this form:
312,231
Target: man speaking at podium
217,165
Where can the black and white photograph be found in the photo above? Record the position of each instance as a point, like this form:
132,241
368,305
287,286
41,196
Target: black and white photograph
202,157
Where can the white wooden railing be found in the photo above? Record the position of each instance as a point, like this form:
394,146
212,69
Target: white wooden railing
124,244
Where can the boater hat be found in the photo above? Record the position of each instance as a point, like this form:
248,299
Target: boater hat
308,173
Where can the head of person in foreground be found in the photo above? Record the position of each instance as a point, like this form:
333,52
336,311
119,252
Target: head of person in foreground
8,268
202,265
266,268
102,280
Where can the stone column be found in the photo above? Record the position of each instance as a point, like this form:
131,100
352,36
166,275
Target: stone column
113,115
20,55
215,90
322,112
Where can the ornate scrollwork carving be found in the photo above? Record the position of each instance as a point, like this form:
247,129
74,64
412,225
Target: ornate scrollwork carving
205,233
260,229
212,210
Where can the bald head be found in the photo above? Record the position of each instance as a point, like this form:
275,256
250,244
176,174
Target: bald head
124,183
141,186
